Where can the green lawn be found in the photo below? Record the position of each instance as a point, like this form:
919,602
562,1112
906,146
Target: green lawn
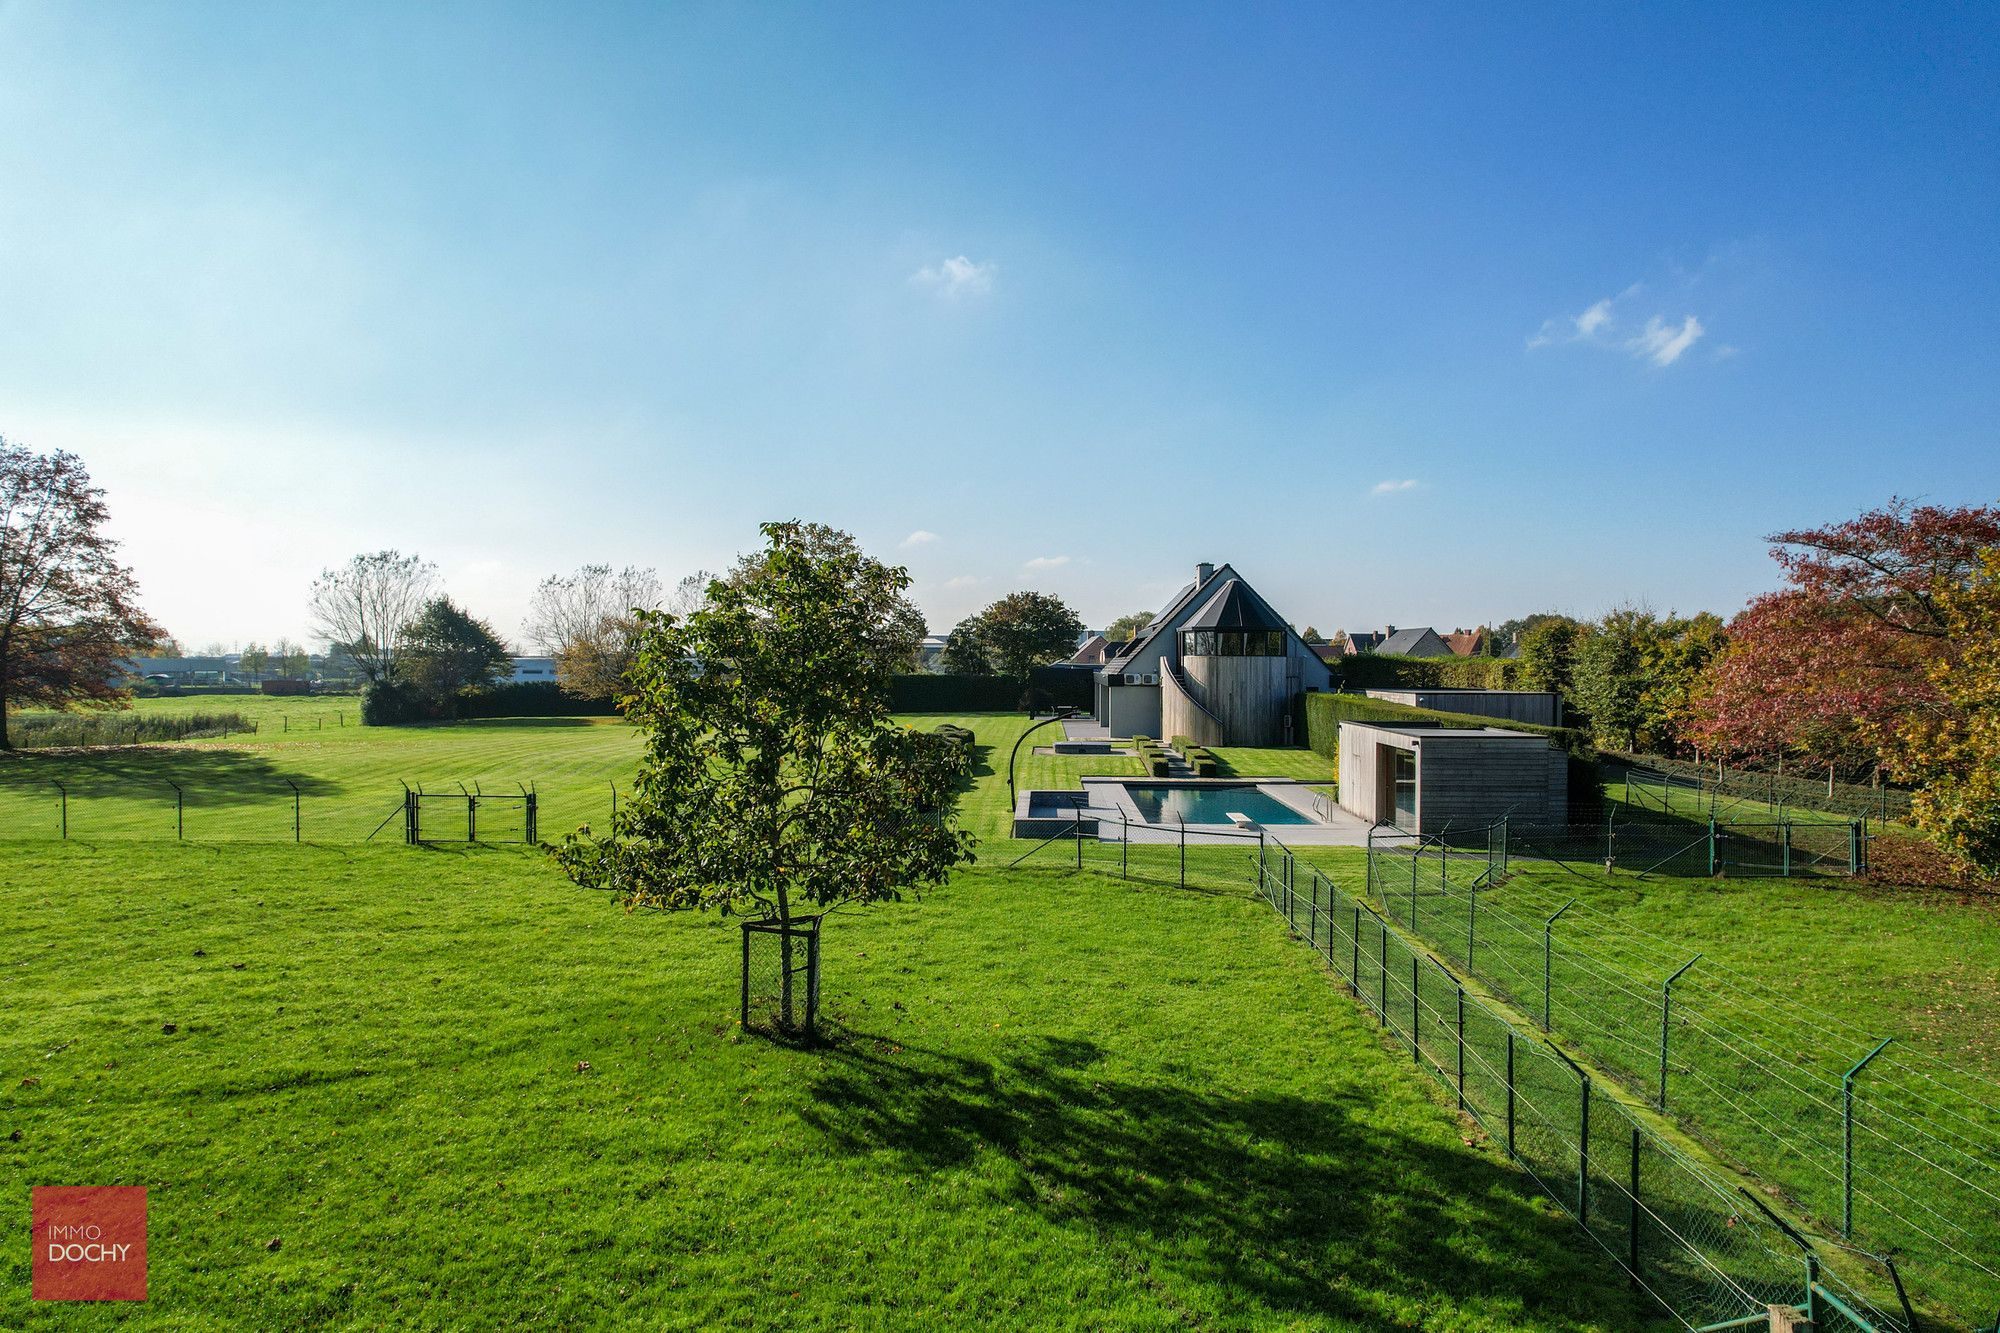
1797,979
431,1088
456,979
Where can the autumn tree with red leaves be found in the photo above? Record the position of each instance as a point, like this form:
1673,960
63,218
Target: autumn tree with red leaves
1828,668
68,610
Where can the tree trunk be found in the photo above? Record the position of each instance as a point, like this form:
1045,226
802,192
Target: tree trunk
6,647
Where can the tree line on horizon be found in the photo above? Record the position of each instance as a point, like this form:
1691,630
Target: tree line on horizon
1879,651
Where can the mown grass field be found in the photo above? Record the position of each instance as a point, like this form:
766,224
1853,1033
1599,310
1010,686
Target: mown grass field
443,1088
393,1070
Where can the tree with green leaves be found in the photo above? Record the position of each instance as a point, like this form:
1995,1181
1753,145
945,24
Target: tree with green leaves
1607,677
1126,628
1024,630
446,650
964,651
1548,655
254,660
773,777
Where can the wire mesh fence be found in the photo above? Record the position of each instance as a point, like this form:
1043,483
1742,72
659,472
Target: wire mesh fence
781,976
1902,1158
1710,1254
1718,791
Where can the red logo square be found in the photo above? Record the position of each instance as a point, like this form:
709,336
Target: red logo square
90,1242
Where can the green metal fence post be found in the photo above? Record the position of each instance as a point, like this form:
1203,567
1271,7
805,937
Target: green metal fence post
1548,930
1785,848
1124,848
1383,1008
65,808
1632,1222
1847,1139
1260,844
1079,839
1510,1091
1354,973
1666,1006
1416,856
1471,918
1416,990
1857,843
180,810
295,808
1583,1160
1711,845
1461,1048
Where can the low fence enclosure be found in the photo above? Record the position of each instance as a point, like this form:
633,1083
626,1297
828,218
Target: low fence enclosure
781,976
1707,1251
468,816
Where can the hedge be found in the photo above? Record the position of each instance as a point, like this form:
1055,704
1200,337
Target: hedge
1325,713
1057,687
1380,671
530,698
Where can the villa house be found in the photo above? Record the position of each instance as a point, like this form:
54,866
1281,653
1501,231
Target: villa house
1218,666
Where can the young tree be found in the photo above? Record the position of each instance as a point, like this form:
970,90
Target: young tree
964,651
1312,635
1125,628
773,776
254,660
1952,749
361,608
68,610
446,650
1024,630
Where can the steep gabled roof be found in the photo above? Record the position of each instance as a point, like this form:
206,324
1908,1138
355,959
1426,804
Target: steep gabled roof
1161,621
1422,642
1234,606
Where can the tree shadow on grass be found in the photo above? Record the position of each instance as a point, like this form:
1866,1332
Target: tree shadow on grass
1279,1202
210,776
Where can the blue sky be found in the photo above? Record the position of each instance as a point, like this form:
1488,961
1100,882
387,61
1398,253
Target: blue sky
1415,314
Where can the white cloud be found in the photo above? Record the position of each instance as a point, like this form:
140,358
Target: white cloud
1593,319
957,277
1392,487
962,581
1601,325
1661,343
1048,562
921,537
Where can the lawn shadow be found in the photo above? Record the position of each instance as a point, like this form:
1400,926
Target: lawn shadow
1283,1202
209,775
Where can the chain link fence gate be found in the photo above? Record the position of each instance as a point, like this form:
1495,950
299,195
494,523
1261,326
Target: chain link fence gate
469,816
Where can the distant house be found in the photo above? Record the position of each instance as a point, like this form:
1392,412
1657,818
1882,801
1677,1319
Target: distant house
1467,642
528,670
1218,666
930,652
1350,642
1091,654
1414,643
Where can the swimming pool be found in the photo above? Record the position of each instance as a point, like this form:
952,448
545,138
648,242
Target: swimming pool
1210,805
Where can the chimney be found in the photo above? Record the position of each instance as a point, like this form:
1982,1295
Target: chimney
1203,572
1390,630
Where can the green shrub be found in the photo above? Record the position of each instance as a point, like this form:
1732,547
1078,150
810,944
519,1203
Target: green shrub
53,730
1378,671
384,703
529,698
1207,766
1157,765
953,732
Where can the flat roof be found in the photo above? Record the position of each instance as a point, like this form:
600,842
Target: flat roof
1443,689
1414,729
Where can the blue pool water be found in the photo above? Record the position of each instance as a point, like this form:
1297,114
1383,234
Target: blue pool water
1209,805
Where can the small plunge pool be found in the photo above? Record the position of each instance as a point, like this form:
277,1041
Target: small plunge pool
1209,805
